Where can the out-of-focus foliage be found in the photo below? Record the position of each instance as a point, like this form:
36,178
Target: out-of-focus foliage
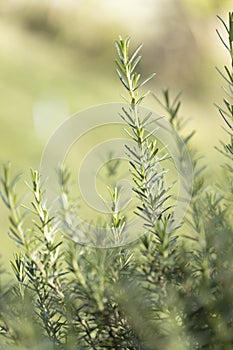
202,7
55,53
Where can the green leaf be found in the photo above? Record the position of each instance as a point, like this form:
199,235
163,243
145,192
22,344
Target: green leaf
122,80
135,53
145,81
135,63
231,27
119,51
230,75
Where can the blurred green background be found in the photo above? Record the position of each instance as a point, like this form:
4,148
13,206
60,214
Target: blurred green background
57,57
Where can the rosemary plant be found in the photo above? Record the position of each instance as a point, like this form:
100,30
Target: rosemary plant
172,289
144,157
227,112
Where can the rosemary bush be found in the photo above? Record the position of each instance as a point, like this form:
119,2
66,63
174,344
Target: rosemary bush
171,289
